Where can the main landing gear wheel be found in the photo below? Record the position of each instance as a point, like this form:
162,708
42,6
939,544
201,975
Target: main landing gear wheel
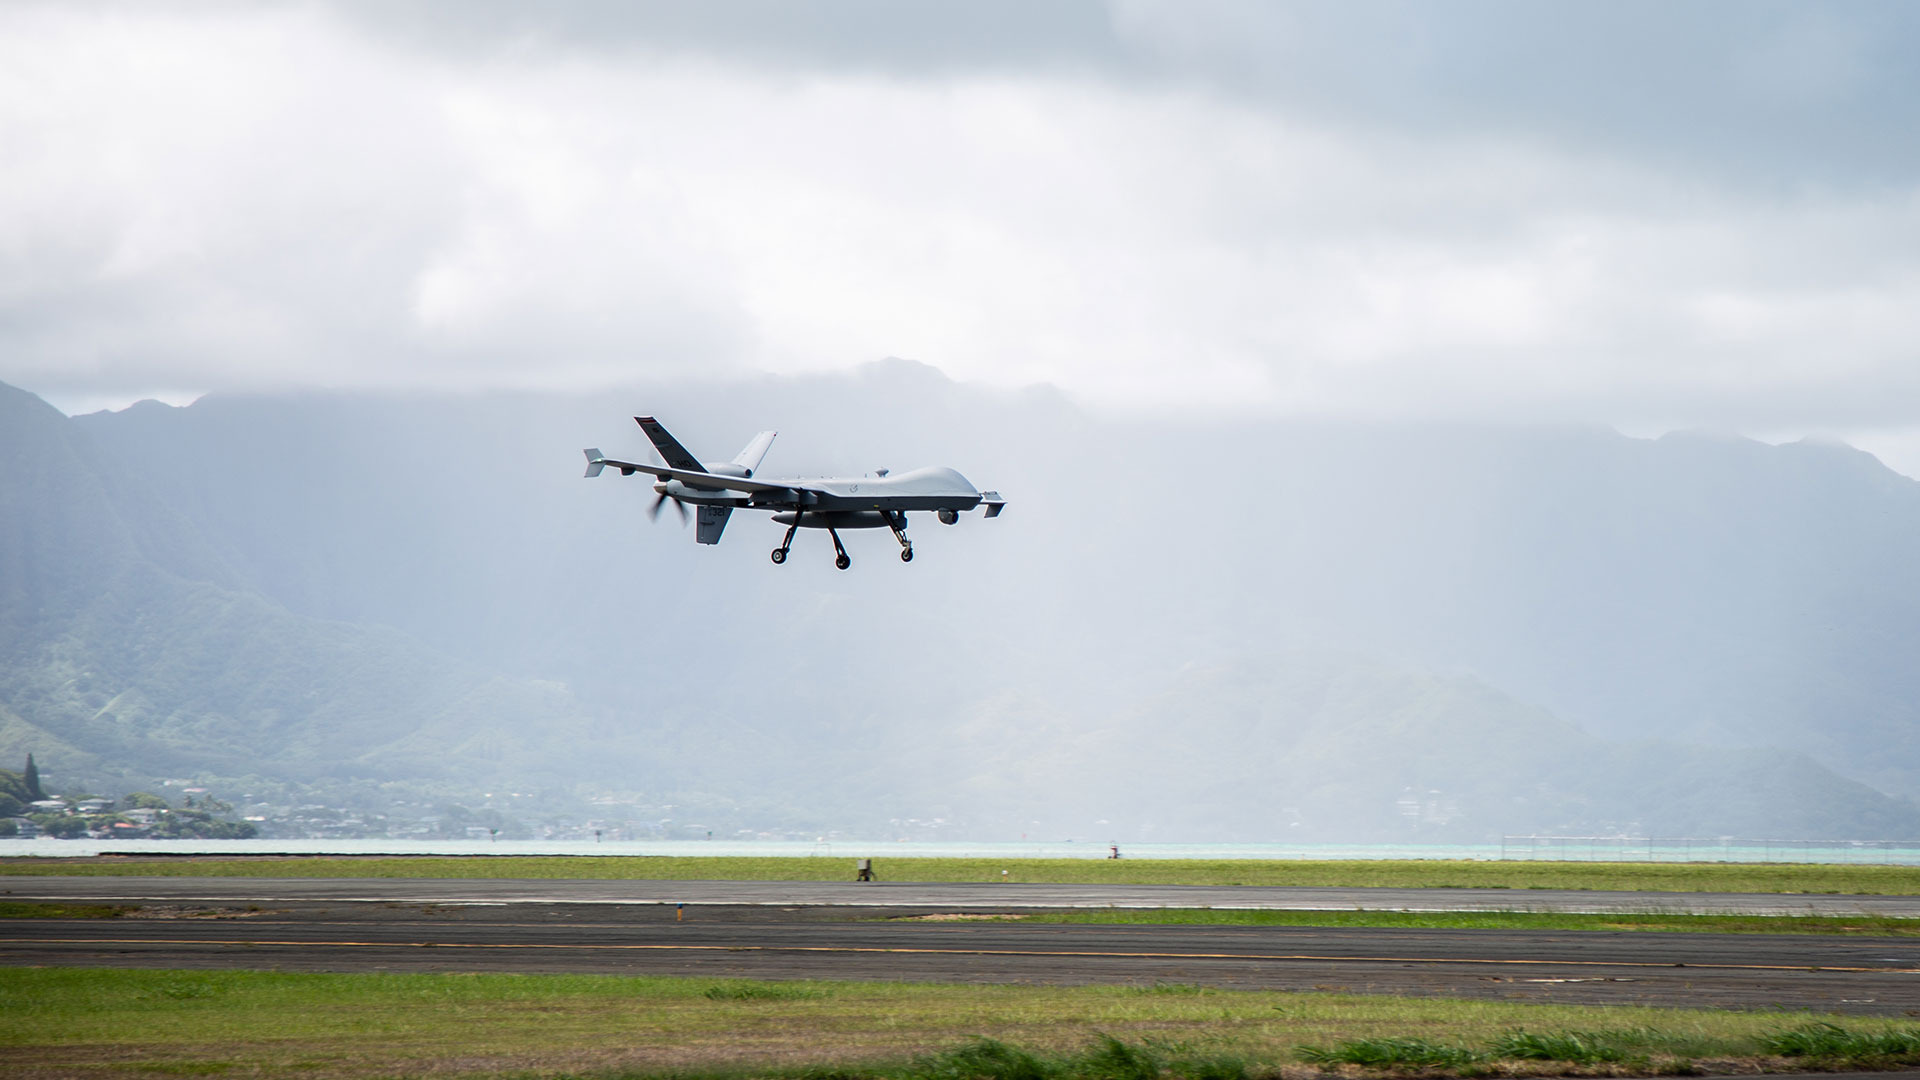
780,553
840,557
898,523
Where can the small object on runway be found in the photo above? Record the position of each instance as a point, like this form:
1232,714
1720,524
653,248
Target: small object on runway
865,866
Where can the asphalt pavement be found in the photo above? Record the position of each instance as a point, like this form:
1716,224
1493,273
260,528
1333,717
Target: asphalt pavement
913,932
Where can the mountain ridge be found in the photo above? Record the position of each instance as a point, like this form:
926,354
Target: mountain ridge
117,659
1581,570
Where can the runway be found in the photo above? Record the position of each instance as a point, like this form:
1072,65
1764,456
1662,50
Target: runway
574,926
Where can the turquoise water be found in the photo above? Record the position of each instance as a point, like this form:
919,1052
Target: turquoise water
1609,849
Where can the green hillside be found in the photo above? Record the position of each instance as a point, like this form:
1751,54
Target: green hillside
128,648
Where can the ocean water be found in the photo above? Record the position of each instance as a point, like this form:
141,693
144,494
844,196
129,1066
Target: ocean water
1579,849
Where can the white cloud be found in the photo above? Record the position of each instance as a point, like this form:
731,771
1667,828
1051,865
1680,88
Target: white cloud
236,198
200,202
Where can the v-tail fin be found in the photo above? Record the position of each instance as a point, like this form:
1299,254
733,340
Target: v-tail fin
675,455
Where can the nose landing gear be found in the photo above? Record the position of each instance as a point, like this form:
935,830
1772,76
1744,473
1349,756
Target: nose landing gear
840,557
898,523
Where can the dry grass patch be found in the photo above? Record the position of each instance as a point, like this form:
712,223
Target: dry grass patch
15,909
964,916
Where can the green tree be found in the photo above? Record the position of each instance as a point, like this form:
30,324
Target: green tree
60,826
32,779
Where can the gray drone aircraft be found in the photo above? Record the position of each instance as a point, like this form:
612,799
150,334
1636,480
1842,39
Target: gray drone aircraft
880,500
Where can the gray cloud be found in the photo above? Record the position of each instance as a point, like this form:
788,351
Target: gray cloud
911,38
1631,214
1776,91
1767,93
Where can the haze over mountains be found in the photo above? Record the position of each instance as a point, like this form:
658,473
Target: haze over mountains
1178,631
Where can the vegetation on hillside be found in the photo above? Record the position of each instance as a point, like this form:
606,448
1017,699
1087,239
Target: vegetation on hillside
139,815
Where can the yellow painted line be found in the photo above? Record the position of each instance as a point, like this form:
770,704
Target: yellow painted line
880,949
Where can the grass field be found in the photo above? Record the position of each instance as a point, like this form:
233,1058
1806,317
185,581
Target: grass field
1658,877
1657,922
70,1022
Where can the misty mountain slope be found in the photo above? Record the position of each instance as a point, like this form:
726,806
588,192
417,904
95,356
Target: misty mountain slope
1733,592
114,658
1714,591
1709,590
1718,594
19,738
69,521
1314,746
466,522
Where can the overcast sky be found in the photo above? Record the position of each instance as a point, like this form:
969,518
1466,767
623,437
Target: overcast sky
1650,215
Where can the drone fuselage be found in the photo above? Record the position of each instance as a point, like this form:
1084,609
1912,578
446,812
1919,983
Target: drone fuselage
875,501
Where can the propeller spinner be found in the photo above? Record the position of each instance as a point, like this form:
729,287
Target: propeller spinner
653,511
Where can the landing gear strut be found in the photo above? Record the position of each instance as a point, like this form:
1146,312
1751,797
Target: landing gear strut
898,523
840,557
780,553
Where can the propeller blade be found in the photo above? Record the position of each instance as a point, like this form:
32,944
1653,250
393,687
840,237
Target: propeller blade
653,512
682,507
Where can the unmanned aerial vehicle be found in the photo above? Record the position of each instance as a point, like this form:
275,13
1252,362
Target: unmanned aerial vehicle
879,500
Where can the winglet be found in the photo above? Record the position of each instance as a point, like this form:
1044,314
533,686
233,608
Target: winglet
994,503
595,461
